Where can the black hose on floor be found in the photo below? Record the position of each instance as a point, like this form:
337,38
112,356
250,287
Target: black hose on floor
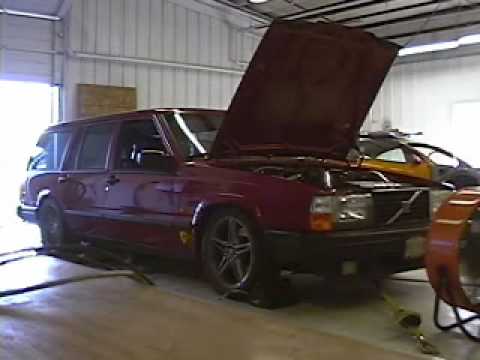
79,252
70,280
76,250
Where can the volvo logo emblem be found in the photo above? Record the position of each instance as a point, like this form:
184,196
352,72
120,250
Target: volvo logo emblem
405,207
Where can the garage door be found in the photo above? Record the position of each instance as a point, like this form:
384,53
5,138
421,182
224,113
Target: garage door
27,49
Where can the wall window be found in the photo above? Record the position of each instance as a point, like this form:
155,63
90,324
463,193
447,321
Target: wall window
94,150
50,151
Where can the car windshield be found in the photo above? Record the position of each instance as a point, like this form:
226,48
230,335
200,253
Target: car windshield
195,132
372,149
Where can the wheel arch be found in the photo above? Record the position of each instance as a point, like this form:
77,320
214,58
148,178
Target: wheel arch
42,196
205,210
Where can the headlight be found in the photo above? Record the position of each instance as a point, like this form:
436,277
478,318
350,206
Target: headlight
437,197
347,211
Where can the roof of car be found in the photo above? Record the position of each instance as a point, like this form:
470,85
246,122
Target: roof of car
130,115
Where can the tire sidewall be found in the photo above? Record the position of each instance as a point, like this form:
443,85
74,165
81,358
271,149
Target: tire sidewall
51,205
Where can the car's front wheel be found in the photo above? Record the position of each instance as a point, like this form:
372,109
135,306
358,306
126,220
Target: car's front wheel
231,253
52,226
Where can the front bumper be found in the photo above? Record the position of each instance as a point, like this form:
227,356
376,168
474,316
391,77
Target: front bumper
27,213
381,250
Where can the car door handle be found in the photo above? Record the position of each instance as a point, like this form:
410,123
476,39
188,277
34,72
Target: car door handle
62,178
112,180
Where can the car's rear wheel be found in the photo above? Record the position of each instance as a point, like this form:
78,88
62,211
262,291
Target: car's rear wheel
52,225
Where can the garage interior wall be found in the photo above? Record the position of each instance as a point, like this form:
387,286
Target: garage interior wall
127,42
420,96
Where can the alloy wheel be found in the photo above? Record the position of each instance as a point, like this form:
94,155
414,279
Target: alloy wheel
232,253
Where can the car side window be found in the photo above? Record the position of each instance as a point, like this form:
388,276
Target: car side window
140,146
395,155
438,157
94,149
50,150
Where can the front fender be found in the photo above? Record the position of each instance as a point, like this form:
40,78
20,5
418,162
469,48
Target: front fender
226,200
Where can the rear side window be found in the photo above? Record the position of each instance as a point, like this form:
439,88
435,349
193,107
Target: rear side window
50,151
94,150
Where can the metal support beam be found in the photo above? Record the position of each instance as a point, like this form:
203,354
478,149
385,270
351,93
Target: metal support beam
433,30
151,62
457,10
246,10
340,10
31,50
390,11
29,14
299,14
64,8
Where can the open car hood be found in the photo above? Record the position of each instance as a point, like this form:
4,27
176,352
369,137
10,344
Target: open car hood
306,91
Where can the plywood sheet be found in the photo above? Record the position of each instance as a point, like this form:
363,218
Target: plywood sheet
95,100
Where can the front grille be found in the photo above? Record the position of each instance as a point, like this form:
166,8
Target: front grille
388,203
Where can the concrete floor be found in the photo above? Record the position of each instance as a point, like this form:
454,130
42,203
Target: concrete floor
351,311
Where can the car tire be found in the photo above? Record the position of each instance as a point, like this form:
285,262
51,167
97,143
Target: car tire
52,225
231,251
259,283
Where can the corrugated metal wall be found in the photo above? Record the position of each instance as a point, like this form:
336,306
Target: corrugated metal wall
27,49
420,96
122,42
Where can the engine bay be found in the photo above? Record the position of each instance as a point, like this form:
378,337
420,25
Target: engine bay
332,178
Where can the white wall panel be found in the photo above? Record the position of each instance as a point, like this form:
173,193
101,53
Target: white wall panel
420,97
185,33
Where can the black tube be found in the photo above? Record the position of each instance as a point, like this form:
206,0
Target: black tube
70,280
75,249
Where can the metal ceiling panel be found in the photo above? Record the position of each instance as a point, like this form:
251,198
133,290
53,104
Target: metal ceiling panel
391,18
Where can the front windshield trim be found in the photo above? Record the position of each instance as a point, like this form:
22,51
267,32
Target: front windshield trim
191,136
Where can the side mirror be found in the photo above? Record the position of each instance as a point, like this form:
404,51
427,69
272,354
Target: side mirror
150,159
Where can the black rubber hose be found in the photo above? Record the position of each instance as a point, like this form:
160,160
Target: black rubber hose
73,279
75,249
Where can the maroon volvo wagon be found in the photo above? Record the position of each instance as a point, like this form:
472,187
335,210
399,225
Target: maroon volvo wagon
261,187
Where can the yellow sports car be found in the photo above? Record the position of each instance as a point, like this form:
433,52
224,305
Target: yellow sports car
384,151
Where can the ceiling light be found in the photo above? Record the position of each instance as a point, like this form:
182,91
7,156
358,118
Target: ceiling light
257,1
428,48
